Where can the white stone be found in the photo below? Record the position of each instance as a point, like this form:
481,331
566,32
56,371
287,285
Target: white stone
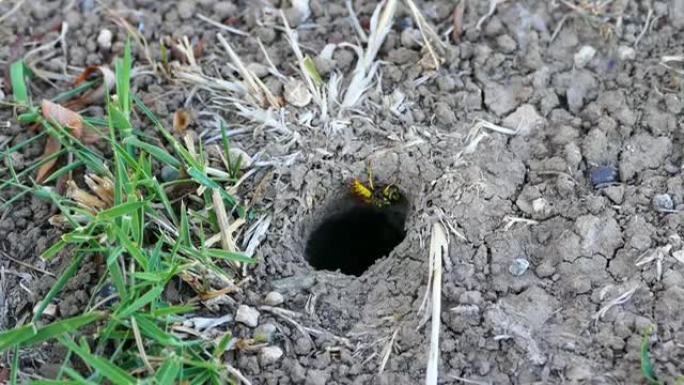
274,299
296,93
626,53
270,354
584,56
247,315
104,39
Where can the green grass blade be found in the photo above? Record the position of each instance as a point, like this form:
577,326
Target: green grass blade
53,250
110,371
141,302
646,364
229,256
18,80
14,373
30,334
120,210
157,152
168,373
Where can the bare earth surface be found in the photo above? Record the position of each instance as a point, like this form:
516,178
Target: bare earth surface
589,190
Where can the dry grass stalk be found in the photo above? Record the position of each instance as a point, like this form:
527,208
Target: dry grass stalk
355,22
490,13
387,351
439,249
222,26
318,97
227,241
257,90
624,297
381,23
428,34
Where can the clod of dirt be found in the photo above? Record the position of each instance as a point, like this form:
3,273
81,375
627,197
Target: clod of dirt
353,239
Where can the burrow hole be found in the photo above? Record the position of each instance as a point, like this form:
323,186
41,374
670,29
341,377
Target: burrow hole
356,234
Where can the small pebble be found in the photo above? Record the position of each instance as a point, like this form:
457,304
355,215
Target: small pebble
584,56
265,332
274,299
626,53
269,355
104,39
297,94
50,310
169,173
519,267
604,176
186,9
663,202
247,315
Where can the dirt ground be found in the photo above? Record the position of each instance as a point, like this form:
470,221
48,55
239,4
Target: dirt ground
589,190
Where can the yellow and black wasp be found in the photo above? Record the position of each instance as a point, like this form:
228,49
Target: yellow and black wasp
382,197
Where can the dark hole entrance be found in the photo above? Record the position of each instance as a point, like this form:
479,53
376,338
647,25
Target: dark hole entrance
351,240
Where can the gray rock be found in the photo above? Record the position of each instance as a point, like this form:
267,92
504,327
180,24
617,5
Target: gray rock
519,267
445,114
663,202
274,299
599,235
224,9
269,355
526,119
247,315
186,9
506,43
317,377
265,332
643,151
584,56
503,99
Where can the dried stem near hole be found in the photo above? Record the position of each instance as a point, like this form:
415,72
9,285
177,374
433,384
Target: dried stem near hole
381,23
439,250
257,89
490,13
318,97
624,297
427,32
387,351
355,22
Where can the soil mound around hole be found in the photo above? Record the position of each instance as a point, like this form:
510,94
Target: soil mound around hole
352,240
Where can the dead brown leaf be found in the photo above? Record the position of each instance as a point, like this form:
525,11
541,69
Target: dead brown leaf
52,146
63,117
457,20
181,120
85,199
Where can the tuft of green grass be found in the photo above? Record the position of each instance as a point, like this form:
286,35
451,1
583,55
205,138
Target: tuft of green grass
129,339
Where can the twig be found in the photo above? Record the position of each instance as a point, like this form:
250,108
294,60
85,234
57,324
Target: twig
425,30
355,22
238,375
624,297
139,343
492,9
27,265
558,28
645,28
439,249
387,351
11,11
222,26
